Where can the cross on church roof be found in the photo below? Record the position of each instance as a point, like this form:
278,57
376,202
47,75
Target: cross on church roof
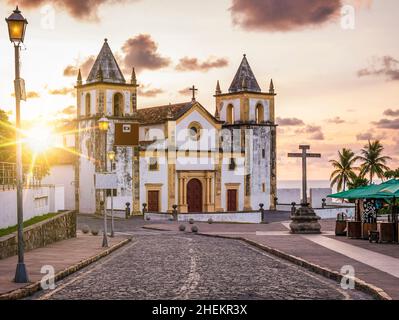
193,89
304,155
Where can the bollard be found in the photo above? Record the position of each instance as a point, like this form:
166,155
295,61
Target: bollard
144,209
127,210
175,212
293,209
262,212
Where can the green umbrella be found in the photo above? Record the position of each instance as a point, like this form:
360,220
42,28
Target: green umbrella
373,191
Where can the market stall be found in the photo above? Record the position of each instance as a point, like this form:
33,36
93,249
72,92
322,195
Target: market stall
373,202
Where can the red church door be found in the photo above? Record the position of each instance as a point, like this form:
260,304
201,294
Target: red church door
231,200
153,201
194,196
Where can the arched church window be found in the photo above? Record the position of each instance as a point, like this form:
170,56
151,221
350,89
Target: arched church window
259,114
230,114
88,105
118,105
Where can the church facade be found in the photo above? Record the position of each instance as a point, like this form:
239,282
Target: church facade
186,156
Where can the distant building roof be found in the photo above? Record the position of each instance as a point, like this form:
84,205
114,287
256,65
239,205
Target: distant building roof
105,68
244,79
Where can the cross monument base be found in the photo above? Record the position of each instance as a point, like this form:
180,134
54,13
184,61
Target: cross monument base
305,221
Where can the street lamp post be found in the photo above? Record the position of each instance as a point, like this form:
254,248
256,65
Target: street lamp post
16,30
103,125
111,157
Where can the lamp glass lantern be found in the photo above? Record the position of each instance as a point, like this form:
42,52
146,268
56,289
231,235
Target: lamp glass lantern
111,155
103,124
16,26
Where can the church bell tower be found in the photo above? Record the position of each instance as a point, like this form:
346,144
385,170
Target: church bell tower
105,93
248,111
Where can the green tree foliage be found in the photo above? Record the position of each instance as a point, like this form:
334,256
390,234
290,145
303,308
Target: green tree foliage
392,174
7,136
373,161
344,169
357,182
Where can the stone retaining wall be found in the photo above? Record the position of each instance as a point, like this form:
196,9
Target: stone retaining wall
58,228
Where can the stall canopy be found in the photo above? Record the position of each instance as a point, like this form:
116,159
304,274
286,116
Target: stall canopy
386,190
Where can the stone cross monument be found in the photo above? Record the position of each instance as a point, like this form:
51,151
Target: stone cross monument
305,220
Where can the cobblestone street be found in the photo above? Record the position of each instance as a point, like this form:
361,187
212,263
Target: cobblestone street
171,266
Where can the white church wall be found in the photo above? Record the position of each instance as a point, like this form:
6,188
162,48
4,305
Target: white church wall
260,168
252,107
195,163
87,194
63,175
154,177
208,136
237,110
110,100
92,102
230,177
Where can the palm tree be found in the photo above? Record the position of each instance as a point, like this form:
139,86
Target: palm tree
344,169
392,174
358,182
374,163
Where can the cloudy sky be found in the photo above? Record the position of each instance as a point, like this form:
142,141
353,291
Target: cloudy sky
336,73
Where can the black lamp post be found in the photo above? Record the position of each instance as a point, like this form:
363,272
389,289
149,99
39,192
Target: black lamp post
103,125
16,30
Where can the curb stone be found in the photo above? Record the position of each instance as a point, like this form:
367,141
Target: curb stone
361,285
35,287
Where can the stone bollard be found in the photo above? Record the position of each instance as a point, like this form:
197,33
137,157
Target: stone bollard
127,210
144,209
175,217
293,209
262,211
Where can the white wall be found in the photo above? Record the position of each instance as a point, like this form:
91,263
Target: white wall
332,213
237,109
252,107
250,217
63,175
287,196
36,202
109,101
87,192
317,194
154,177
208,136
236,177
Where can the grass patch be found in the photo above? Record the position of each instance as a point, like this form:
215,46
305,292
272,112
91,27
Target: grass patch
28,223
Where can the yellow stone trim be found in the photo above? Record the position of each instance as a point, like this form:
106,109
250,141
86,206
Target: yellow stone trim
206,178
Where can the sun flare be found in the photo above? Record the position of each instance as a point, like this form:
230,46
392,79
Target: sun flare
40,139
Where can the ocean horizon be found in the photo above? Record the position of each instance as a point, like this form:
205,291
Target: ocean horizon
297,184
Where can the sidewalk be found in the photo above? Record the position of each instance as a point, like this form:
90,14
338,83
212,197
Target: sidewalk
376,264
66,257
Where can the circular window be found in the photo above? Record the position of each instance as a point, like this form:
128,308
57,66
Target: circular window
194,130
